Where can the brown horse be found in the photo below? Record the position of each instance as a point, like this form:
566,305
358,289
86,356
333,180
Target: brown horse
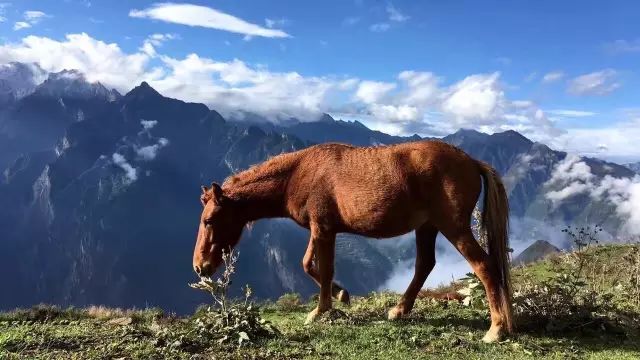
379,192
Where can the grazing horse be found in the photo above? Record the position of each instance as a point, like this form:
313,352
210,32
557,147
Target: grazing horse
379,192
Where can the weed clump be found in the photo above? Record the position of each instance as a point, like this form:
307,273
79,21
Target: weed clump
289,302
230,321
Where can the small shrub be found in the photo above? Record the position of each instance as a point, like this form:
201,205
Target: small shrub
289,302
559,303
569,298
228,321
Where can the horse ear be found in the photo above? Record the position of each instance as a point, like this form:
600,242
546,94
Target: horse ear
217,191
204,189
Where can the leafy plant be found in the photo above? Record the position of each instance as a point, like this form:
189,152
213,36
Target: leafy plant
582,239
230,321
473,291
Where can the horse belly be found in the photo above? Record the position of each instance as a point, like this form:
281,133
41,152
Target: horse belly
382,218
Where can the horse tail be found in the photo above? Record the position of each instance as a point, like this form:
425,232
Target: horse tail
495,223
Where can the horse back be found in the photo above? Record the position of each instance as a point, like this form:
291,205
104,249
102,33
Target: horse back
374,191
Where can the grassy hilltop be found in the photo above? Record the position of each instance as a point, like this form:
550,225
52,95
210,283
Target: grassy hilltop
570,306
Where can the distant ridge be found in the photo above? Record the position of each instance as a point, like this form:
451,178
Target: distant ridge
539,250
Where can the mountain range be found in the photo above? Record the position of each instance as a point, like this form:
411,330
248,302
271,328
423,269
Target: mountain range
100,193
634,167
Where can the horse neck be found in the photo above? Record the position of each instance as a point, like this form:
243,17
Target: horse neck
260,191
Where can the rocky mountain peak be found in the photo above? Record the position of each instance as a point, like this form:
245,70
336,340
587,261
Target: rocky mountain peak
18,80
74,84
143,91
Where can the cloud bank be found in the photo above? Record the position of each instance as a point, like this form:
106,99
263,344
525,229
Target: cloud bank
572,176
410,102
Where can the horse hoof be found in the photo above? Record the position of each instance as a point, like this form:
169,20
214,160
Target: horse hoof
343,297
312,316
395,313
492,336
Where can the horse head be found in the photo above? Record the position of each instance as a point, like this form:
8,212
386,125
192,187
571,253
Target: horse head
220,229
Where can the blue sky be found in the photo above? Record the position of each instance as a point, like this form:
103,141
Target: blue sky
561,72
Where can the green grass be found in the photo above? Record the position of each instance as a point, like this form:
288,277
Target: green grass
435,330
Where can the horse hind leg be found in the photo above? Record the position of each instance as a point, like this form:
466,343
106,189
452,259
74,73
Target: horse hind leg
324,248
338,292
483,267
425,261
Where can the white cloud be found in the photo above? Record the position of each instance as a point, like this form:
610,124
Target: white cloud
99,61
601,82
156,40
131,173
348,84
351,20
624,194
31,17
623,46
271,23
148,153
552,77
571,168
3,7
400,113
202,16
476,97
34,16
571,113
566,192
148,124
422,88
229,86
373,91
379,27
620,139
573,176
395,14
21,25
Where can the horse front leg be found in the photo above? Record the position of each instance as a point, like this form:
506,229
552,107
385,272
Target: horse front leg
425,261
339,293
324,246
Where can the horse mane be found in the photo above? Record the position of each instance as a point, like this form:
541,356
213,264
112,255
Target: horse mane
270,169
